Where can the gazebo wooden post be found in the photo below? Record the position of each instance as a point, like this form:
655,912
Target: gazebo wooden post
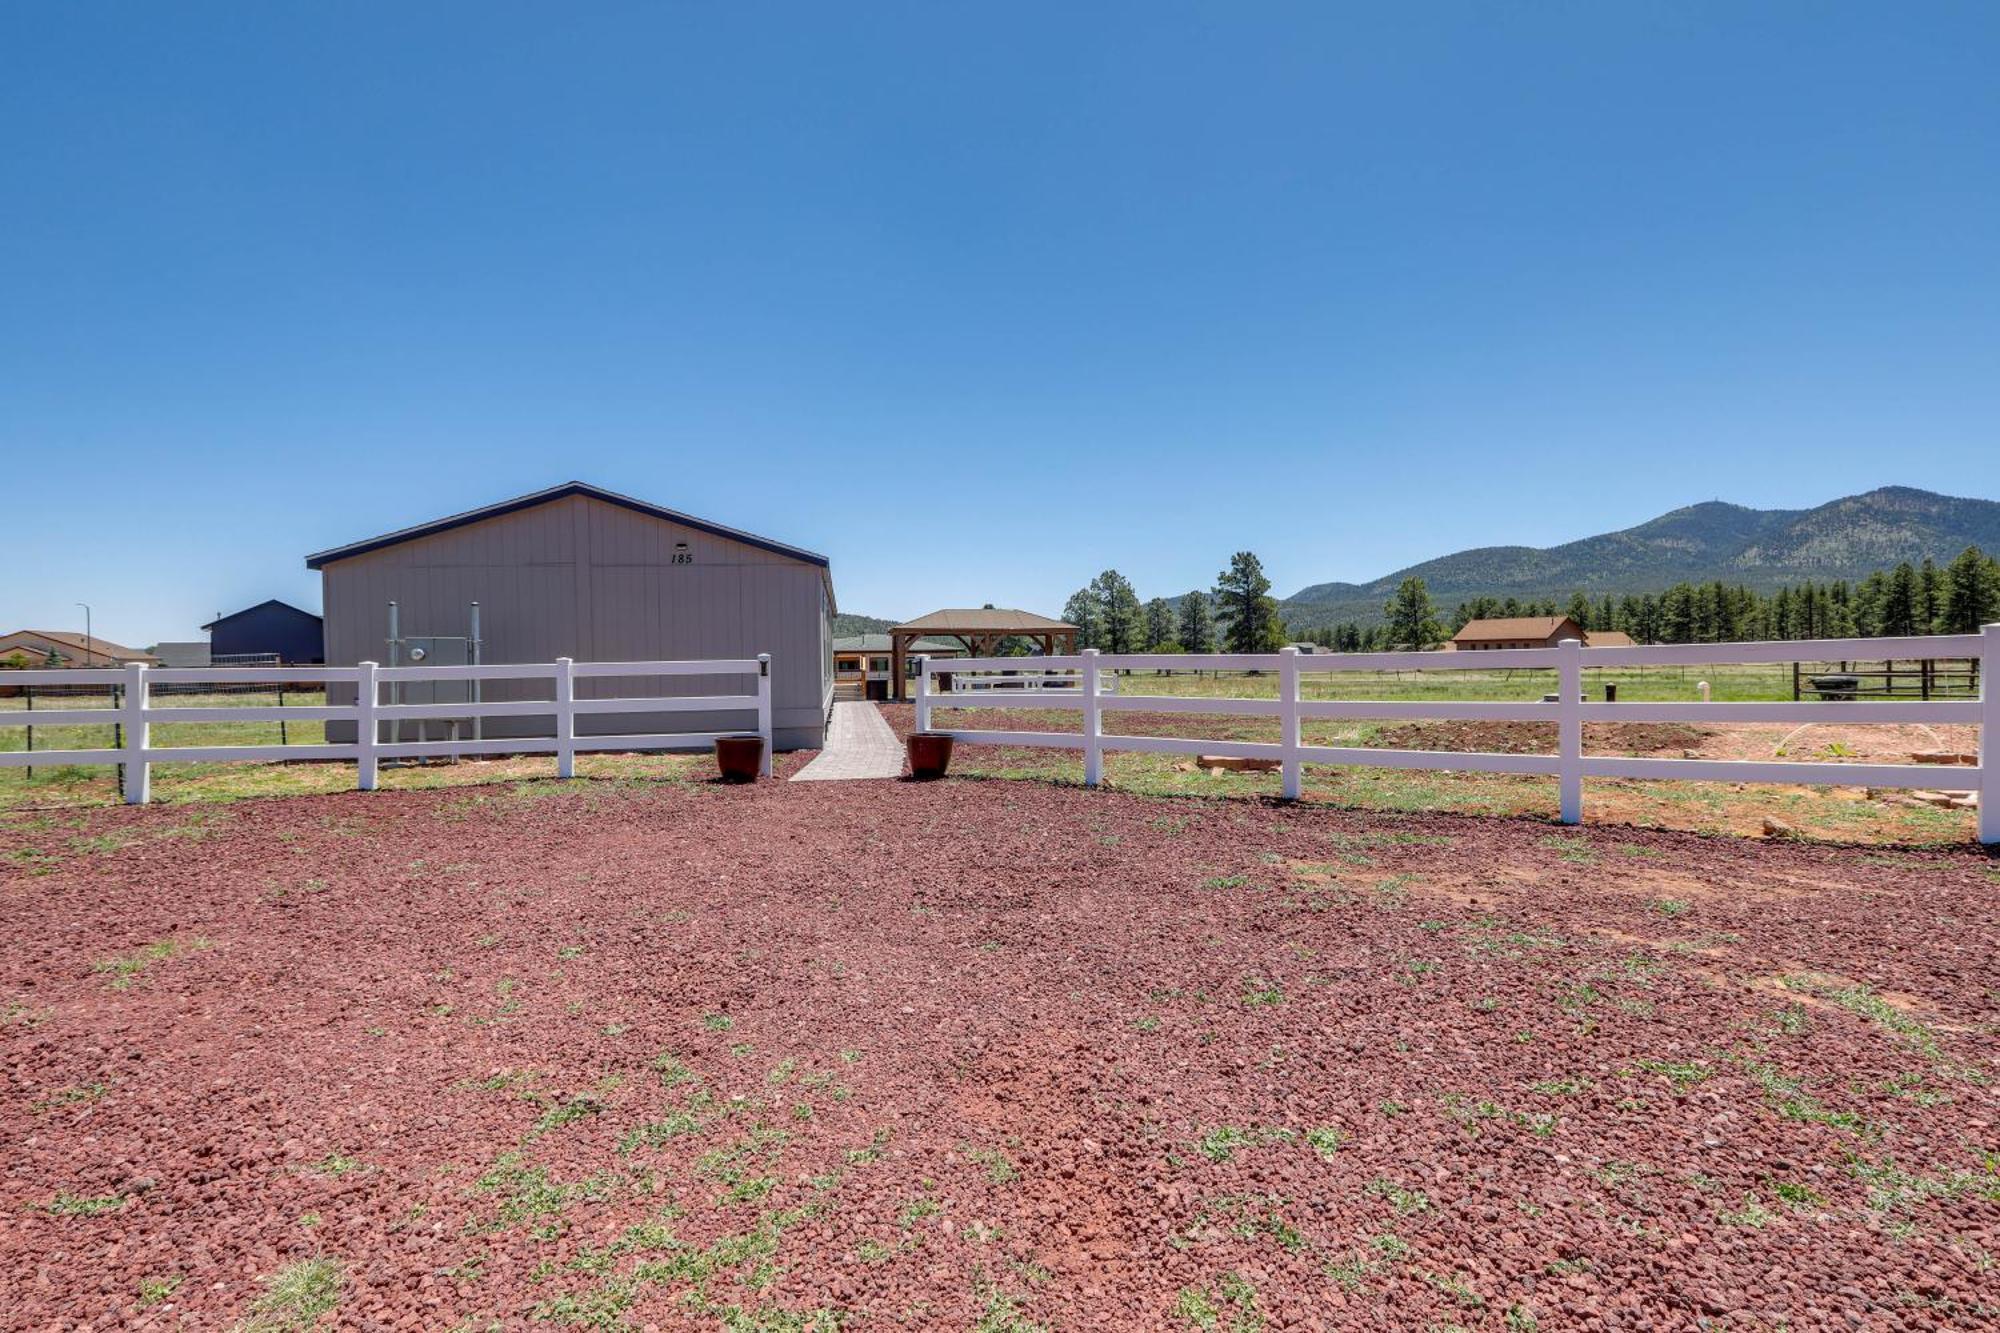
898,646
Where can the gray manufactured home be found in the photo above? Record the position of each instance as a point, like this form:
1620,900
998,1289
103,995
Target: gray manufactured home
579,572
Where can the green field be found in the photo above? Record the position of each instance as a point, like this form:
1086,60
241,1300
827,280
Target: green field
1735,683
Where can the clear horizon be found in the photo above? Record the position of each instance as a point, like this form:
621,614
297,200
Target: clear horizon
976,304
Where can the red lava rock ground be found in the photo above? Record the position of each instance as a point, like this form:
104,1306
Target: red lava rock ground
973,1054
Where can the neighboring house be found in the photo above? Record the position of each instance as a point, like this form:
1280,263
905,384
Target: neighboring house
1515,632
268,629
576,571
861,662
1531,632
182,654
69,650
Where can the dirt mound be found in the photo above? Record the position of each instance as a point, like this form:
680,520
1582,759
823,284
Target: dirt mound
1540,737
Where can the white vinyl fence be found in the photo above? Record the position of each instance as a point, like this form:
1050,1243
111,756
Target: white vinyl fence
137,712
1569,765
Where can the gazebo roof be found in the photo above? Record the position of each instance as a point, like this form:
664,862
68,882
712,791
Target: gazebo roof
984,620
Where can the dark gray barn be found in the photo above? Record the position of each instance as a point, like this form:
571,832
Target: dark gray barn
296,637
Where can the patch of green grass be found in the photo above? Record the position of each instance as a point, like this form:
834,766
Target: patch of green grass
1788,1096
1326,1140
1258,992
337,1164
1671,907
1233,1300
77,1205
566,1112
1403,1200
1458,1288
1865,1002
124,971
653,1133
1751,1214
872,1153
717,1022
916,1211
1573,849
295,1297
1222,1142
1892,1188
82,1093
153,1290
1000,1170
527,1194
1682,1074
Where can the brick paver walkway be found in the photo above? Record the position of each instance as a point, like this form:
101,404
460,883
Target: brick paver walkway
859,744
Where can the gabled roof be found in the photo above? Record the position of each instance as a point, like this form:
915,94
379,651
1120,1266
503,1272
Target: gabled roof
879,643
568,488
259,607
983,620
93,646
1510,627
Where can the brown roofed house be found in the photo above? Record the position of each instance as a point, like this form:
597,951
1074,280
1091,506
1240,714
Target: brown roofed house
1515,632
69,650
1532,632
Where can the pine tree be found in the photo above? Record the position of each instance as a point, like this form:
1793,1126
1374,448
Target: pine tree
1579,611
1121,621
1899,607
1412,616
1930,597
1244,605
1160,627
1197,626
1971,593
1081,611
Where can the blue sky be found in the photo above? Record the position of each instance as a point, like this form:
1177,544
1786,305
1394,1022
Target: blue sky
977,300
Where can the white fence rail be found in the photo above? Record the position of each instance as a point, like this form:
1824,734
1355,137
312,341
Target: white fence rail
1569,711
1031,680
136,713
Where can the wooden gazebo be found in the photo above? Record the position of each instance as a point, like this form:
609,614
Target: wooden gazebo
981,630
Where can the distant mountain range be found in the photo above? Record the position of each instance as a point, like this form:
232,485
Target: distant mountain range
1763,549
846,625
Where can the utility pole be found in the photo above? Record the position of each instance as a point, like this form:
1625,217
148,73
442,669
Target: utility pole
86,632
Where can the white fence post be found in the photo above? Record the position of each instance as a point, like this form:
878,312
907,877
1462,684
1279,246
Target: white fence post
1989,735
764,709
366,693
138,776
1093,722
565,718
1288,719
923,692
1569,729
